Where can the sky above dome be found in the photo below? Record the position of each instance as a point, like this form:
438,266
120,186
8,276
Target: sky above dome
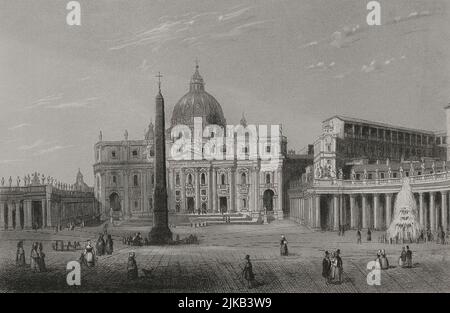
285,61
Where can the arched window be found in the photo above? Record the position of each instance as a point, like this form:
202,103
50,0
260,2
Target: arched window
114,179
244,203
190,179
135,180
267,178
203,179
177,179
98,182
222,179
243,179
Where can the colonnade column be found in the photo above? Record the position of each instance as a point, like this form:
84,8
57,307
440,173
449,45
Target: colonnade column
336,212
317,208
364,211
2,215
17,207
388,208
10,216
376,212
421,215
352,212
27,214
432,212
444,210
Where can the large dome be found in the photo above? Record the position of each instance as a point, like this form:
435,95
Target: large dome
197,103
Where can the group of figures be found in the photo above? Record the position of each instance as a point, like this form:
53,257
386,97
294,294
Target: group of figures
135,240
382,260
104,247
405,259
37,257
332,267
359,235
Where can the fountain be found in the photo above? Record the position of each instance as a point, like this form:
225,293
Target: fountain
405,225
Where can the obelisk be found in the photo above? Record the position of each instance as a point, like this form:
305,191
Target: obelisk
160,233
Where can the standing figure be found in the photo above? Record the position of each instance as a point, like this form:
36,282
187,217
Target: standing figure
378,259
89,254
34,257
402,259
339,266
358,236
109,245
20,254
100,245
369,235
333,269
384,260
41,259
247,272
132,269
326,267
408,257
283,246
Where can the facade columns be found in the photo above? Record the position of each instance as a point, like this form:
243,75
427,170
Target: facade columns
197,192
364,212
214,190
336,212
376,212
432,212
317,208
444,210
352,212
421,211
388,208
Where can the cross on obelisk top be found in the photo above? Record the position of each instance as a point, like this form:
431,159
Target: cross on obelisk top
159,76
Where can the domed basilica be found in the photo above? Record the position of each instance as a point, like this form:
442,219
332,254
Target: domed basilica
197,185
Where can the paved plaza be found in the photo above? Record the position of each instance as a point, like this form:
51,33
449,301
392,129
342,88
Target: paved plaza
215,264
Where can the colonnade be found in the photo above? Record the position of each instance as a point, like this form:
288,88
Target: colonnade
329,211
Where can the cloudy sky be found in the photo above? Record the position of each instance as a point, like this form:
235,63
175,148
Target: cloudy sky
294,62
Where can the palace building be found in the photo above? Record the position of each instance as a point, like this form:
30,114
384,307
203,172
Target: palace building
358,169
240,182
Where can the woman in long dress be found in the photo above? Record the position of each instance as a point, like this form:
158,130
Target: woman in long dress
34,257
89,254
132,269
334,269
247,272
109,247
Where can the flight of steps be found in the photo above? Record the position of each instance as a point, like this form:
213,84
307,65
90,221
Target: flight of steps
217,219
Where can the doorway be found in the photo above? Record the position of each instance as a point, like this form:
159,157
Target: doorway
190,205
223,204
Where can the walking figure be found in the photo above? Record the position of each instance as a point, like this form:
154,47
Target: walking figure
247,272
132,269
326,267
20,254
283,246
358,236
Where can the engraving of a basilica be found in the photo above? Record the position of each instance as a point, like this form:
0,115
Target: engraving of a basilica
201,148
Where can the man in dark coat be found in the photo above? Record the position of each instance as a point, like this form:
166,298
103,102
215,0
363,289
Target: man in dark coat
100,245
358,236
369,235
340,267
326,267
109,245
247,272
408,257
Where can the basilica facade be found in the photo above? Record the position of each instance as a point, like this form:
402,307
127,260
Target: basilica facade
243,180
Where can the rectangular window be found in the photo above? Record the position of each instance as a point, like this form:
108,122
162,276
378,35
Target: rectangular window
135,153
113,154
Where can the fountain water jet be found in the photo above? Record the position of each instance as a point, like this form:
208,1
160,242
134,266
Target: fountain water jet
405,224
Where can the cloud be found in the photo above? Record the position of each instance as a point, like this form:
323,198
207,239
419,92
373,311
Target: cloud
373,66
52,149
10,161
34,145
321,65
45,101
19,126
192,28
84,103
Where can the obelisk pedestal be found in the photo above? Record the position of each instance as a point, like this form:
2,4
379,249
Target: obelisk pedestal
160,233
